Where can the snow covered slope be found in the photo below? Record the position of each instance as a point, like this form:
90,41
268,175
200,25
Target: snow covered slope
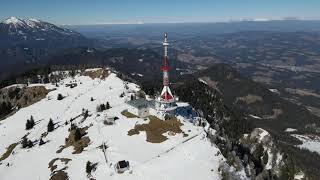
310,142
181,156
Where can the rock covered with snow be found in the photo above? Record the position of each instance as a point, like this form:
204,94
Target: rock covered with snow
261,145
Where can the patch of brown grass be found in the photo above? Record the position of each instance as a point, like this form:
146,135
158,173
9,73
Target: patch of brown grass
26,97
59,174
79,145
32,95
100,73
10,148
128,114
156,128
53,167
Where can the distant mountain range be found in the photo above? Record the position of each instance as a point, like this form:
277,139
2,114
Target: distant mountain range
26,43
179,31
36,33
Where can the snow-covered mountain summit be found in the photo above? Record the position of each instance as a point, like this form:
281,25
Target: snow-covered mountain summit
14,20
36,33
82,131
16,25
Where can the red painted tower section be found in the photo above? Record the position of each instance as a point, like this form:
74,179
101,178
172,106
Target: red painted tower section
166,94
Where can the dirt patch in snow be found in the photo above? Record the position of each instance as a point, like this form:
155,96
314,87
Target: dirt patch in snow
156,128
128,114
52,165
8,152
58,174
99,73
78,145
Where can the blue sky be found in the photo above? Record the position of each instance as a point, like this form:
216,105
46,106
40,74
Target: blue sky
157,11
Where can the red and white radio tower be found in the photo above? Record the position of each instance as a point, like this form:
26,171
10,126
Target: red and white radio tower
166,94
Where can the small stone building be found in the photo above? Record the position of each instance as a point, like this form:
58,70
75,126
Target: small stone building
122,166
140,107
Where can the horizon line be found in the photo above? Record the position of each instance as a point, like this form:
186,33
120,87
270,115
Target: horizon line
179,22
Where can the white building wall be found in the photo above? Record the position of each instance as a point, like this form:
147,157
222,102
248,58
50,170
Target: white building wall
143,112
133,110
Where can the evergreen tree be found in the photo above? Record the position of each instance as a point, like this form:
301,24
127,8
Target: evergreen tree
77,134
28,125
85,114
30,144
98,108
72,127
24,142
60,97
88,167
41,142
102,107
91,99
107,105
50,126
32,119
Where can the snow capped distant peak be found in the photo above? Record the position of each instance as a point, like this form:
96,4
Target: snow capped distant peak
261,19
16,22
257,19
34,20
13,20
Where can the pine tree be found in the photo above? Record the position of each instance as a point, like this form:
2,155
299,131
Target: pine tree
107,105
91,99
28,125
41,142
60,97
85,114
24,142
88,167
98,108
77,134
32,121
102,107
31,118
30,144
50,126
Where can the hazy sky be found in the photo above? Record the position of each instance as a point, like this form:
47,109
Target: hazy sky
155,11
